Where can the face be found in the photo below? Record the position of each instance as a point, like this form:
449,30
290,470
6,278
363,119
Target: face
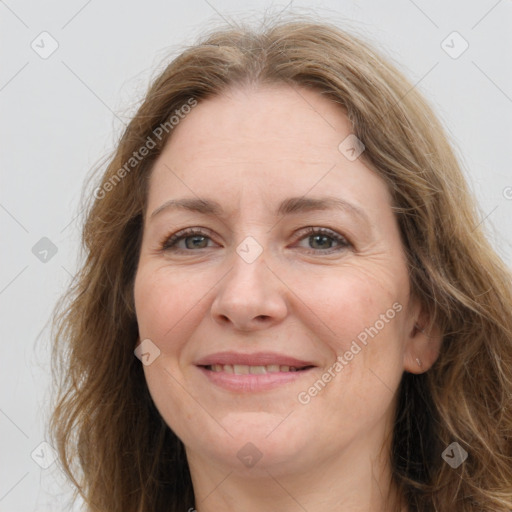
292,260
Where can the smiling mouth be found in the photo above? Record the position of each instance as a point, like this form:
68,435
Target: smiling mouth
242,369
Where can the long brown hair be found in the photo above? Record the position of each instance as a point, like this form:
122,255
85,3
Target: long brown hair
112,441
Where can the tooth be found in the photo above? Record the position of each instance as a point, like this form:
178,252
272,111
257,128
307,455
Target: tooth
272,368
241,369
284,368
257,369
217,367
228,368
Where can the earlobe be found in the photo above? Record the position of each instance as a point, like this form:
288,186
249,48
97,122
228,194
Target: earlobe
422,349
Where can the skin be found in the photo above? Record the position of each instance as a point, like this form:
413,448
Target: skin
303,296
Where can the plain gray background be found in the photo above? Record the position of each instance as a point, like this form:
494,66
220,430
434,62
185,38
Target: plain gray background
62,114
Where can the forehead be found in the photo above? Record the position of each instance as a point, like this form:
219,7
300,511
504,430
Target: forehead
279,117
267,141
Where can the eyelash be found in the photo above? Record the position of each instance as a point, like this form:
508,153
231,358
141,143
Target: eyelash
169,242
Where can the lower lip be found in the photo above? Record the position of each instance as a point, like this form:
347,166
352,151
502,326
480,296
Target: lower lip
252,382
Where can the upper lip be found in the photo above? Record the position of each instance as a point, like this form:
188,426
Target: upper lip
256,359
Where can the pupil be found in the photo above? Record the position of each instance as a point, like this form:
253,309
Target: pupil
321,237
194,240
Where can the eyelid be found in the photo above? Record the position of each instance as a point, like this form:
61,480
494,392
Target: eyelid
335,235
320,229
182,234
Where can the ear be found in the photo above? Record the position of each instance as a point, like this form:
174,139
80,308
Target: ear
422,345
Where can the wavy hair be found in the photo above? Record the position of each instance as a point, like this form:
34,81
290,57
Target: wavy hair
112,442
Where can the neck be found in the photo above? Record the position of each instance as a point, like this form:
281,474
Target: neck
352,481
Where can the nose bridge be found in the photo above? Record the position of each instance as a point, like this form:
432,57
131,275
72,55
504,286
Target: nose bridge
249,293
249,277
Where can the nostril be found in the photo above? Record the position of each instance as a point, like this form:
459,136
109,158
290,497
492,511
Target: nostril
224,318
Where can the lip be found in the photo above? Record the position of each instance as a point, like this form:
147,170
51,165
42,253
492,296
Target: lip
252,382
256,359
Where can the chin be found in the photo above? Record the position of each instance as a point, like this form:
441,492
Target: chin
257,443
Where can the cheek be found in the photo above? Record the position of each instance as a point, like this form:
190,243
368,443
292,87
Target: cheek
166,302
351,299
167,306
362,315
367,355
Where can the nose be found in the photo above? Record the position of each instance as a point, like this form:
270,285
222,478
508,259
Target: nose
250,297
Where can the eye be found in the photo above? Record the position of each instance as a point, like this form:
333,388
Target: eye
320,240
193,238
324,240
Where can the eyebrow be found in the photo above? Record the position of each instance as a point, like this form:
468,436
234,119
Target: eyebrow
289,206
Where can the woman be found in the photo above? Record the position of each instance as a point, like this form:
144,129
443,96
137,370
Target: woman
285,240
